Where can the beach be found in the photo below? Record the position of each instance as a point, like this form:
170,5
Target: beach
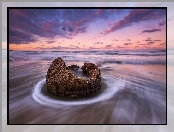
133,89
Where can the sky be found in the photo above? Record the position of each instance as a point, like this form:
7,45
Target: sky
87,29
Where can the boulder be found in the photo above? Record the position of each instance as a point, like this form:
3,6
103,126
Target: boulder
62,82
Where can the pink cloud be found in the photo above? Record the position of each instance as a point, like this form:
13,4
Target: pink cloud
135,16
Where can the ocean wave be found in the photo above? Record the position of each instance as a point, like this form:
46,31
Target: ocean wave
132,62
118,57
113,86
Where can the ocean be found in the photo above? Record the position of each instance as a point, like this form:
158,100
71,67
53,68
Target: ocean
133,88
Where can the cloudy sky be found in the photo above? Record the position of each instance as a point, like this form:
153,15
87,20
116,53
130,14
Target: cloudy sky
78,29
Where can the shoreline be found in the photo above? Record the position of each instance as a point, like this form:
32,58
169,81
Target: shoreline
135,92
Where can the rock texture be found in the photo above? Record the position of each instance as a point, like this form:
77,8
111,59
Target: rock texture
62,82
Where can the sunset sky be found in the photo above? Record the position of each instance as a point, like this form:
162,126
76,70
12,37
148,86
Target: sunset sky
87,29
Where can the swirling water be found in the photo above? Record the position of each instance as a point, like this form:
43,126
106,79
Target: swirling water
134,86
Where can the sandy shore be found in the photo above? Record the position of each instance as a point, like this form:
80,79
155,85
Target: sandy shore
23,109
128,105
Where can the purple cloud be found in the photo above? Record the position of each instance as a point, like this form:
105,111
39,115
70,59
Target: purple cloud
135,16
127,43
114,40
27,25
108,46
50,42
98,43
93,48
149,43
156,40
162,23
162,44
148,39
151,31
19,37
76,47
120,47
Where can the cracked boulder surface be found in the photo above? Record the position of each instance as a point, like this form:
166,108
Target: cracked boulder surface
62,82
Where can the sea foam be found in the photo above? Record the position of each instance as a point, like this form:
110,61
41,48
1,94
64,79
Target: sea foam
113,86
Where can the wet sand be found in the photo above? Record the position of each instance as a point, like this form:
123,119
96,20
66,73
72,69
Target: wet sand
141,100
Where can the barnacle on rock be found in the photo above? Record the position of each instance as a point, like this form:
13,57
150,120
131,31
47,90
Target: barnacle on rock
62,82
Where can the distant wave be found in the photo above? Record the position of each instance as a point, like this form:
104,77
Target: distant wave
133,62
118,57
112,52
160,54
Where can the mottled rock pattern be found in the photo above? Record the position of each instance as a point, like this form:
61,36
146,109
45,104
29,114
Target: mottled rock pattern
93,72
62,82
